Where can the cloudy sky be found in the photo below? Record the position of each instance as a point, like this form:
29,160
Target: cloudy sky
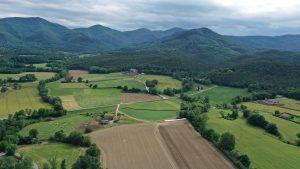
235,17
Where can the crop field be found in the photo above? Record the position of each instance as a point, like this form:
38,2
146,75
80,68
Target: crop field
220,94
120,82
290,104
152,110
16,100
163,81
261,147
156,146
69,103
189,149
137,97
48,128
43,153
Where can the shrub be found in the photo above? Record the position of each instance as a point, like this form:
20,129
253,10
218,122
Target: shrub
88,130
227,141
272,128
244,159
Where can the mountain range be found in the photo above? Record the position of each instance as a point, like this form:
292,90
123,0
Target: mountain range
40,34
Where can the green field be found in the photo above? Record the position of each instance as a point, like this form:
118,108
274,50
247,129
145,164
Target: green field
287,128
152,111
98,97
47,129
220,94
15,100
290,104
115,83
163,81
86,97
264,151
43,153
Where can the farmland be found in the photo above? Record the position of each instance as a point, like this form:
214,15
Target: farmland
25,98
48,128
152,110
220,94
41,154
163,81
135,140
261,148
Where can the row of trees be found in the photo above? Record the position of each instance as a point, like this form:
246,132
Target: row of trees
195,110
74,138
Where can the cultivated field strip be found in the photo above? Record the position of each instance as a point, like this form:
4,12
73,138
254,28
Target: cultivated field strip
168,145
189,150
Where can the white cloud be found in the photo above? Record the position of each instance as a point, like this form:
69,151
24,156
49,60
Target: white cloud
240,17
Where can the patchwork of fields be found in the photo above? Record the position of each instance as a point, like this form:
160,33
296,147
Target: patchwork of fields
173,144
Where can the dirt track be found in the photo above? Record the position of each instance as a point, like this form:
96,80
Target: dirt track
169,145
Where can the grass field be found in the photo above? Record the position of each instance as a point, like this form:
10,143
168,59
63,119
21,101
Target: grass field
119,82
265,151
153,110
40,65
16,100
47,129
290,104
287,128
43,153
87,97
98,97
39,75
220,94
163,81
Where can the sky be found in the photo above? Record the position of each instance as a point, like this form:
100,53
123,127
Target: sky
230,17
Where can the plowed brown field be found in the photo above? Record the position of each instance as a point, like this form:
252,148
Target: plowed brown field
138,97
169,145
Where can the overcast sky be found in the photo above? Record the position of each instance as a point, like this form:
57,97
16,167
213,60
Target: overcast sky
234,17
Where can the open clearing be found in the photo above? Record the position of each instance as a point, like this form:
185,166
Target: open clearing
137,97
142,146
130,83
78,73
108,76
163,81
43,153
38,75
189,149
220,94
261,147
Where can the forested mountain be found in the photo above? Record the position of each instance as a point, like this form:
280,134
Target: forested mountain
285,42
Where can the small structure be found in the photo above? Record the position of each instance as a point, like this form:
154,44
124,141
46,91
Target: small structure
271,102
133,72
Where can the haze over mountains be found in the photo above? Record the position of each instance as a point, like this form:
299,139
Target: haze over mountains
40,34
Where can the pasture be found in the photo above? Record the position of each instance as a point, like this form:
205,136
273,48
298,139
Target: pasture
261,147
48,128
220,94
290,104
152,110
108,76
41,154
163,81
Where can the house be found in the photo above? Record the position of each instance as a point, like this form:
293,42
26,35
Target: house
133,72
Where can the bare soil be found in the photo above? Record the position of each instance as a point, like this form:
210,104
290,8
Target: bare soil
168,145
78,73
189,150
137,97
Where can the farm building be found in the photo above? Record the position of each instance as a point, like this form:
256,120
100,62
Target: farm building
133,72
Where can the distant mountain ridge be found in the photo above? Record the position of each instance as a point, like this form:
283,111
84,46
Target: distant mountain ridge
40,34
